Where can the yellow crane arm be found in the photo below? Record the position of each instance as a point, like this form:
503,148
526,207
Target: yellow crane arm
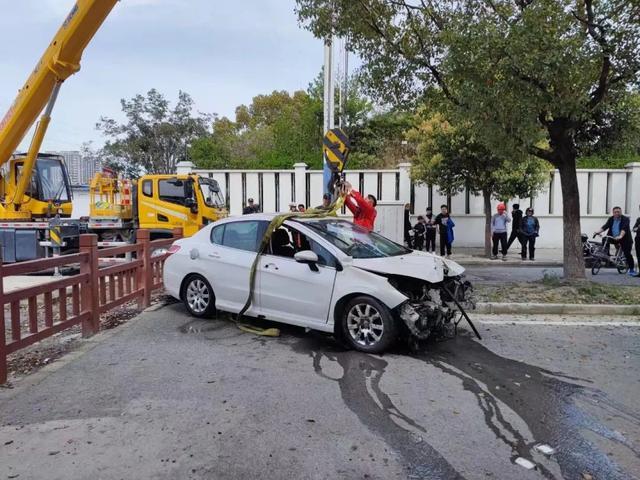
59,62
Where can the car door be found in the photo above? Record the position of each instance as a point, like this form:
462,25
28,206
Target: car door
228,259
292,292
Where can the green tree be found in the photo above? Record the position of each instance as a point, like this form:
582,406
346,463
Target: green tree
528,74
453,158
155,136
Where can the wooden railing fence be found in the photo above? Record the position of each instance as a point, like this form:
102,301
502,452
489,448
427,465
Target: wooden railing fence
38,312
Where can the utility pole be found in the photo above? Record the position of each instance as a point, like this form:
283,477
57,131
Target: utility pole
329,103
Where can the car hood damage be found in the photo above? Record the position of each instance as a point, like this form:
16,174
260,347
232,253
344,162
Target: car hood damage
436,293
418,265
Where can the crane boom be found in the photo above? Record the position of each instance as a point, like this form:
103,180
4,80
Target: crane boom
59,62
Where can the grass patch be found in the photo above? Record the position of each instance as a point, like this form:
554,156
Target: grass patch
552,289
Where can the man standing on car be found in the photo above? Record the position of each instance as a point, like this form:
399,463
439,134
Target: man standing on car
516,216
445,227
363,209
499,223
529,231
619,228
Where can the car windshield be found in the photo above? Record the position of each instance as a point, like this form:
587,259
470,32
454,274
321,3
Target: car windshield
211,192
355,241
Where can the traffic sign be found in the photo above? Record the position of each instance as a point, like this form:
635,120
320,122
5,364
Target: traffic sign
335,148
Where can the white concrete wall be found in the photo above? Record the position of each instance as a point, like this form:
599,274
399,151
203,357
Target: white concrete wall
600,190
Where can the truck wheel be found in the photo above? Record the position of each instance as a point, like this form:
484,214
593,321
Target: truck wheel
198,297
367,325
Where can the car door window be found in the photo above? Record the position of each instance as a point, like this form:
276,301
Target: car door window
241,235
287,241
217,234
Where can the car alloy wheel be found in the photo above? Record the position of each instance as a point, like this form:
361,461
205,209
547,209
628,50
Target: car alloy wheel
198,296
365,324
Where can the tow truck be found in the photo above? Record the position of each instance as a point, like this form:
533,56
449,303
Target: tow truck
35,194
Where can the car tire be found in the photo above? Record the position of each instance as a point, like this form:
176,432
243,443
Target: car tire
367,325
198,297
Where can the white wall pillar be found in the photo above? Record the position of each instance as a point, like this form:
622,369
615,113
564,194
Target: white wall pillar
405,182
184,168
301,182
633,189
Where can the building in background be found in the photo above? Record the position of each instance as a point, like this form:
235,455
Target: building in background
80,168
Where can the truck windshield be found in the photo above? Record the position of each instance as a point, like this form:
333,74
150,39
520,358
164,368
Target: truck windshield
355,241
52,180
211,192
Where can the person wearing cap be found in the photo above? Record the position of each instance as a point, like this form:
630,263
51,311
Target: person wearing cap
250,208
430,233
363,209
529,231
516,216
499,223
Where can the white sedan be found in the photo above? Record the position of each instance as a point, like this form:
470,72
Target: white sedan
325,274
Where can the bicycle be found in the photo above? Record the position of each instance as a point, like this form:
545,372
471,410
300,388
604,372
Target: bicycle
602,258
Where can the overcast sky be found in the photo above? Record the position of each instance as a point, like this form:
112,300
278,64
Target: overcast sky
223,53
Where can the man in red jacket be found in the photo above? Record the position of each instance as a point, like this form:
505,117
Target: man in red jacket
363,209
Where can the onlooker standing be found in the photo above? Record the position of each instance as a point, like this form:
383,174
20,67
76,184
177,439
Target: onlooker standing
250,208
499,223
529,231
407,225
636,228
363,209
419,231
430,234
619,228
302,208
516,215
445,228
292,208
326,202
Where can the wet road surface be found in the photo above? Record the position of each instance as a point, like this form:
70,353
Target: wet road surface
172,397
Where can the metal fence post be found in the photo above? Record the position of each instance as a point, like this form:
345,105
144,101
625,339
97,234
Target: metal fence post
89,295
3,338
145,277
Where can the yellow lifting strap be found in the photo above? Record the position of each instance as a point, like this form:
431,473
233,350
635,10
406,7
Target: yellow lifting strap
276,223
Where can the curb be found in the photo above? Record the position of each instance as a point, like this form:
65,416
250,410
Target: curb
556,309
465,262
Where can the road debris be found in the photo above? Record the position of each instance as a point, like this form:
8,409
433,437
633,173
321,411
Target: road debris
523,462
544,449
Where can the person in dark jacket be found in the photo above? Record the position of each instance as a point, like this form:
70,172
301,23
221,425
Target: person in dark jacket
636,229
529,231
419,232
618,226
516,217
445,227
250,208
407,225
430,233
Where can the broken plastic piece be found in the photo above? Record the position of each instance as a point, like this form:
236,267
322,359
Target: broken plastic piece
523,462
545,449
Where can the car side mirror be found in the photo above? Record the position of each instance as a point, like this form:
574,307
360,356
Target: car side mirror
308,257
191,204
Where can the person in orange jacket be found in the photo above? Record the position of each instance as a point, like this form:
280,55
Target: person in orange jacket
363,209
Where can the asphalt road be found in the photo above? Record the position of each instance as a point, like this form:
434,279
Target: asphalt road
502,274
168,397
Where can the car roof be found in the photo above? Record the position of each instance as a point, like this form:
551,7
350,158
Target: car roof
270,216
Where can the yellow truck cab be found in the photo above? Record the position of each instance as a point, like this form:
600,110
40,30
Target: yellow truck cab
165,202
159,203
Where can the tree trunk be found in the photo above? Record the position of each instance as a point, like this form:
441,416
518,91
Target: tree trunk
572,252
486,196
563,157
